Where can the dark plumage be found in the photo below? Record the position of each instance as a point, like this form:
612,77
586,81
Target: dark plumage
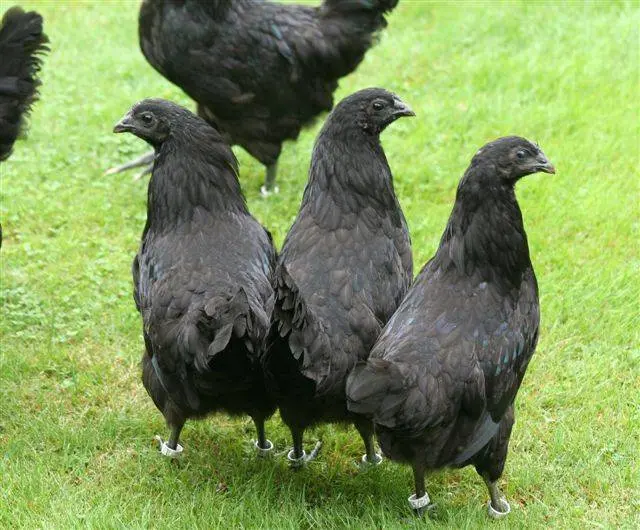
345,265
259,71
21,43
442,378
202,277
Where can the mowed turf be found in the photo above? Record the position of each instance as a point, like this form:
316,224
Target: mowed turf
76,426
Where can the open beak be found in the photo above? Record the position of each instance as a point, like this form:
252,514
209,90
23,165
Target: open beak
400,108
124,125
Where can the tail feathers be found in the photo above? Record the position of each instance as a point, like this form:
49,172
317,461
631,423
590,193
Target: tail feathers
390,394
22,41
346,7
350,28
375,387
238,316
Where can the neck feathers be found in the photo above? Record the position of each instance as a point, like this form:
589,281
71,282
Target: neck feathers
351,172
187,177
485,234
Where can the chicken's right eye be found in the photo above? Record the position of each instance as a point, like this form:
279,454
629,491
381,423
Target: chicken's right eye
147,119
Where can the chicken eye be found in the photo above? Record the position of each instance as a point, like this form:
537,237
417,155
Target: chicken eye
378,105
147,119
521,154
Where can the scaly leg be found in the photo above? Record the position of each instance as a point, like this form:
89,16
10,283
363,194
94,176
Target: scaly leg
175,436
365,428
297,456
490,462
498,506
269,186
419,501
263,446
171,448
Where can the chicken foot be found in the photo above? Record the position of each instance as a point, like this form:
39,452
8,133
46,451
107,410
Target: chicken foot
171,448
144,160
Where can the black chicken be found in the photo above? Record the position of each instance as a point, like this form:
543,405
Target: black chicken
202,277
442,378
21,44
259,71
344,268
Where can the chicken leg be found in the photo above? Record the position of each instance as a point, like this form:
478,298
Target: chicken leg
171,448
298,456
420,501
269,186
262,444
497,507
365,428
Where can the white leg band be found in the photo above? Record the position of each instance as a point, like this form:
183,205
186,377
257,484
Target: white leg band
495,514
265,192
264,451
376,462
167,451
295,462
420,503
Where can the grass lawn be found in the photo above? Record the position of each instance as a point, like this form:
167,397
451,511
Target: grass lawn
76,426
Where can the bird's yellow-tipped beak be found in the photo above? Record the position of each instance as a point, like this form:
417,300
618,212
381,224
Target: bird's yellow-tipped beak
400,108
124,125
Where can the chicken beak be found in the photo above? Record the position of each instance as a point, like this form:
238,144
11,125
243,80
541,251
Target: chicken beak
400,108
547,168
124,125
544,165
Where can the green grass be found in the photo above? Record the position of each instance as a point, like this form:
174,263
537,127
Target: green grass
76,426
